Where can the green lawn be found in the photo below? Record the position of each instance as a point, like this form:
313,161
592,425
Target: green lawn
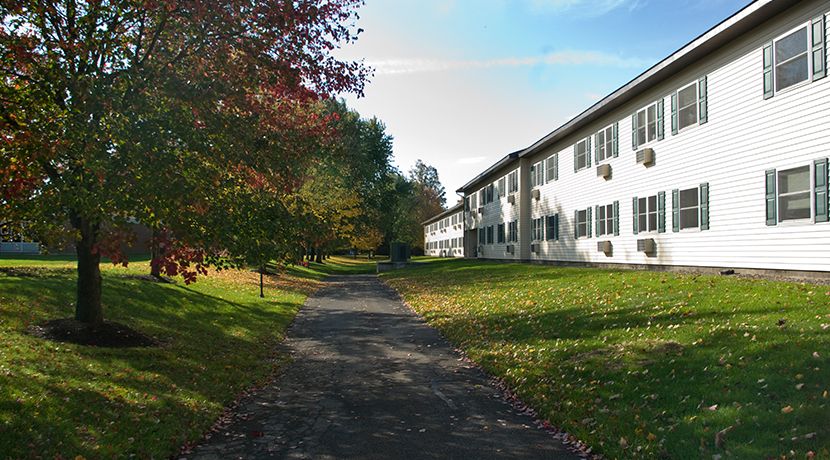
64,400
645,364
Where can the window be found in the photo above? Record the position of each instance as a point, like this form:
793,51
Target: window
791,59
582,223
689,208
647,214
537,174
604,144
537,229
502,187
491,193
482,239
490,232
513,182
552,227
552,167
687,105
581,160
647,124
794,194
605,220
500,234
513,231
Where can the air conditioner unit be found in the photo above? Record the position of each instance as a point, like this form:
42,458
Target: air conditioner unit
534,248
535,194
481,210
511,198
645,157
647,245
604,171
605,247
509,249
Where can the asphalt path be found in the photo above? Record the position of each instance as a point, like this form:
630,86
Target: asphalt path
370,380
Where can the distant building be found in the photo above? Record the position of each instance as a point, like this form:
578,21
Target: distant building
444,233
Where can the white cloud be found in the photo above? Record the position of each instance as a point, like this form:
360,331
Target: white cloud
470,160
408,66
591,8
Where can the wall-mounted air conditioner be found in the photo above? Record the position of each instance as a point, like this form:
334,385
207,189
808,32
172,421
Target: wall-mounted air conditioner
605,247
534,248
647,245
481,210
509,249
511,198
604,171
535,194
645,157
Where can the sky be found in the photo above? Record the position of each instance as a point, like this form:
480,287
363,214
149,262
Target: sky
460,84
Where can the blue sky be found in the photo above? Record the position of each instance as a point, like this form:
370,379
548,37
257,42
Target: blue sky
461,83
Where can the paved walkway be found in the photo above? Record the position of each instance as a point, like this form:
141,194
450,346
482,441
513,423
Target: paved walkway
370,380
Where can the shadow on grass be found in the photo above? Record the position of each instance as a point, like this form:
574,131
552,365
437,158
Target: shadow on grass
59,399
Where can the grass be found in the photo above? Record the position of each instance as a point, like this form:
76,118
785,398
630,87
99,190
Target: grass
65,400
645,364
336,265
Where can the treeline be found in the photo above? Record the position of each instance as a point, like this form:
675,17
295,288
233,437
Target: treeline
213,124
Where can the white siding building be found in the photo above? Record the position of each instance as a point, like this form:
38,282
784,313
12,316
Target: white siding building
444,233
715,157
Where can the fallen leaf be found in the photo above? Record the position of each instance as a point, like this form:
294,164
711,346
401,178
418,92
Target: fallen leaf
786,409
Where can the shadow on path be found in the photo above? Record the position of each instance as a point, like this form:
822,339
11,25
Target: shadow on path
370,380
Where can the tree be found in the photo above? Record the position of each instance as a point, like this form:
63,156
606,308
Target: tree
427,177
135,110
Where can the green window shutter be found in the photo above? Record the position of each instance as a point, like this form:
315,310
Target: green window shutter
674,113
588,221
819,53
635,212
616,218
675,210
634,131
661,212
588,152
615,138
576,225
821,190
772,215
769,88
596,148
704,206
703,99
596,220
556,226
575,162
660,120
556,167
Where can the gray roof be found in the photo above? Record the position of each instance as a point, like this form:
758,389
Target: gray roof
507,159
452,210
744,20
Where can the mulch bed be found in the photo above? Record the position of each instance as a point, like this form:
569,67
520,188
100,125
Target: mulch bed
109,334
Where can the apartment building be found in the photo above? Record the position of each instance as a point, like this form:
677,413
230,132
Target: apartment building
717,156
444,233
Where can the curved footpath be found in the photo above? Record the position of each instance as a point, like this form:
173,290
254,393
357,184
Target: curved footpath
370,380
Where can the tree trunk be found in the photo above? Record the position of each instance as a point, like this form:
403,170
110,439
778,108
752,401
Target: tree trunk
88,303
155,253
318,256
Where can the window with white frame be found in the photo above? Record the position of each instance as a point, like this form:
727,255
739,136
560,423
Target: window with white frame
537,229
689,208
513,231
605,220
687,102
647,124
581,224
537,174
552,167
490,231
500,234
605,143
513,182
581,154
792,63
794,189
502,187
647,214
